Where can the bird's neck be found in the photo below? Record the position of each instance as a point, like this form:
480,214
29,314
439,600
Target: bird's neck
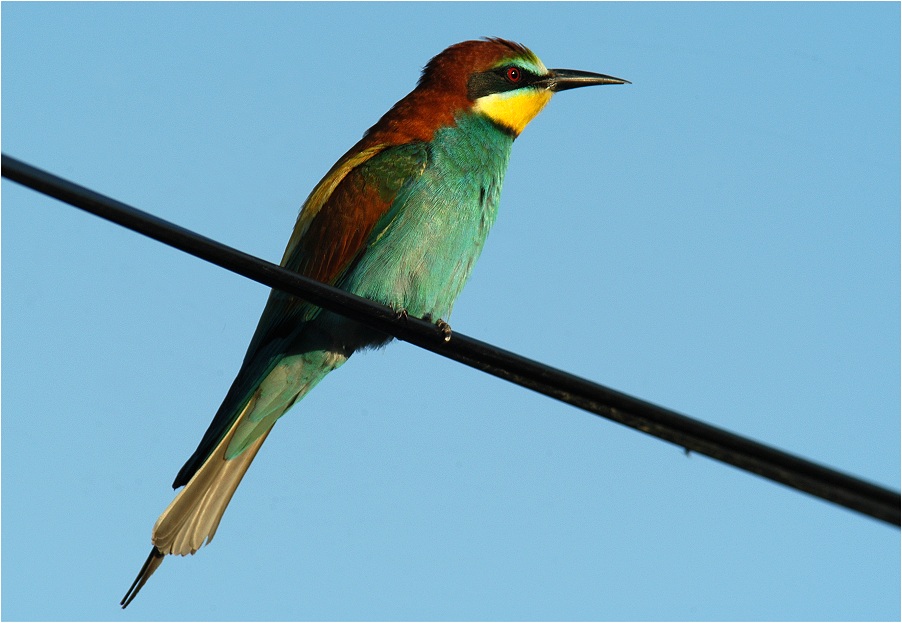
475,146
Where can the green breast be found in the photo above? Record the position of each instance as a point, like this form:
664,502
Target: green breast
424,249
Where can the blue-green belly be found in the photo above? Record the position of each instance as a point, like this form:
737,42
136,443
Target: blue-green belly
422,257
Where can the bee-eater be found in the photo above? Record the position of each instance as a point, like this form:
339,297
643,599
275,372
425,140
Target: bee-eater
400,219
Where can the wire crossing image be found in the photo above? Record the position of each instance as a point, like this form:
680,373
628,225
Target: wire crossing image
691,434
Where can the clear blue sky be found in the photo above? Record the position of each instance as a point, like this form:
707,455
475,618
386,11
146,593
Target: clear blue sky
720,237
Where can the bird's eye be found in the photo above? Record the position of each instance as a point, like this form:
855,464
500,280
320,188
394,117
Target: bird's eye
513,75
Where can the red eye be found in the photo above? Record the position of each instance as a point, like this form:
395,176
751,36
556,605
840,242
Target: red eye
513,74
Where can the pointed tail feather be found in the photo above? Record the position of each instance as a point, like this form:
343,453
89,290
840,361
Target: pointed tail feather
150,565
194,514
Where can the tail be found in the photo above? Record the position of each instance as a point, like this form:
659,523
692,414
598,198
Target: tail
150,565
194,514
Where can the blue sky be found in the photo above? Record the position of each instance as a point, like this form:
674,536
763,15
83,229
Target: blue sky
720,237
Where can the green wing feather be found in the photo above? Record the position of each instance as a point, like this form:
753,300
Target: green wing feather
333,230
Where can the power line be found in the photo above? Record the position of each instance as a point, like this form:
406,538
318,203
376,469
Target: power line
691,434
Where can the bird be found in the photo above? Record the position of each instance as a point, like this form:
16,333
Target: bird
400,218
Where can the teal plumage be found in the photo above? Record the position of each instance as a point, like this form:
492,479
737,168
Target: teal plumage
400,219
427,243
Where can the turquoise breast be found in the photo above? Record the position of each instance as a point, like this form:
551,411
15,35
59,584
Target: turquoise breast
434,232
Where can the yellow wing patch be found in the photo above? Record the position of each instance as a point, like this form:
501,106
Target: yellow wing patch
323,191
513,109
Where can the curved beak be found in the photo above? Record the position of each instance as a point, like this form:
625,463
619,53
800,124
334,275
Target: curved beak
563,79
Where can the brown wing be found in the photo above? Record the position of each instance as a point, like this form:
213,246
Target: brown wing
340,217
333,230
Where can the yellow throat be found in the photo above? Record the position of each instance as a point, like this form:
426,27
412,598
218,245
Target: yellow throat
513,109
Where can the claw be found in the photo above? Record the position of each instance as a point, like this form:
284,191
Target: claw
444,328
401,313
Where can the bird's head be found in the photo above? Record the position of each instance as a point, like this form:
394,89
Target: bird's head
515,85
502,80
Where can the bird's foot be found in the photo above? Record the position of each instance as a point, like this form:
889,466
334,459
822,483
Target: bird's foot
401,314
444,328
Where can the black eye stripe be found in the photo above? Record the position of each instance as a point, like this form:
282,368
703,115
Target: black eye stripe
497,81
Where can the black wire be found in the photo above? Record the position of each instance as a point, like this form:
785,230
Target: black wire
691,434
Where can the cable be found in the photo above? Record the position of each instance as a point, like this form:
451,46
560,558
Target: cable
691,434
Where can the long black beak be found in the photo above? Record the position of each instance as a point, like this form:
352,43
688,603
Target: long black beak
563,79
